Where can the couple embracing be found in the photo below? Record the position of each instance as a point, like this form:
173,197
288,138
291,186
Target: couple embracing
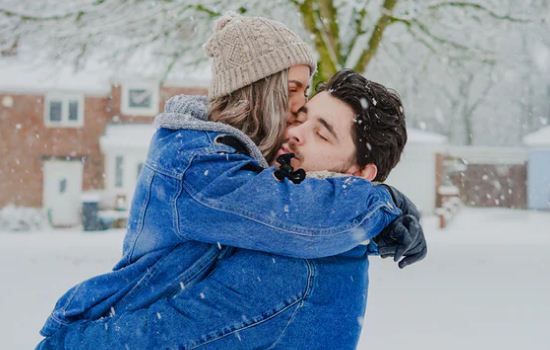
255,212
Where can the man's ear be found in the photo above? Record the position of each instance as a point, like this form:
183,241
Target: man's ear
368,172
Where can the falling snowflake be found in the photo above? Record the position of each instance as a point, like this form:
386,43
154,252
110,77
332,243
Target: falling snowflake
365,103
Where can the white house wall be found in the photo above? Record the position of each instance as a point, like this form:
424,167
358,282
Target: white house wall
131,161
414,175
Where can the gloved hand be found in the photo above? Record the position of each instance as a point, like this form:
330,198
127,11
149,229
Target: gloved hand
403,238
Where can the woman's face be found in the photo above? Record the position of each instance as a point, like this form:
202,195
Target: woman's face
298,84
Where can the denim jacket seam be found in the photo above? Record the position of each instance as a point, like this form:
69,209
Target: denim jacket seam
200,263
176,216
246,326
309,289
161,170
149,273
58,320
310,268
302,231
198,267
63,309
210,139
142,212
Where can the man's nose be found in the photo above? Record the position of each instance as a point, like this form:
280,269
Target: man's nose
295,134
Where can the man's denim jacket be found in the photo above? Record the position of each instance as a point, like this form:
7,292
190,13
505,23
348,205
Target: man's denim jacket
196,194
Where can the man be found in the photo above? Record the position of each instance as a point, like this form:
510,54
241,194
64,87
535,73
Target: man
353,127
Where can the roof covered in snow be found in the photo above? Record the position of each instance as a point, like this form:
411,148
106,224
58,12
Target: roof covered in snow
25,75
127,136
538,138
19,76
424,137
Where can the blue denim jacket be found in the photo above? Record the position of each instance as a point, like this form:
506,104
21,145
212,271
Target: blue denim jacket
251,300
194,195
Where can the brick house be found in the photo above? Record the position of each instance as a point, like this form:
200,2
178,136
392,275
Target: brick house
56,144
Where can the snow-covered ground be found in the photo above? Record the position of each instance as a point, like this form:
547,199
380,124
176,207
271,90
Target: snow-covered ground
485,284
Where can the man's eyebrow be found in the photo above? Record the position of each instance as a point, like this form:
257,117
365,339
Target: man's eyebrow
329,127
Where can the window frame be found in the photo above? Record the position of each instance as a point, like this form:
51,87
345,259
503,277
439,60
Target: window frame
65,100
151,111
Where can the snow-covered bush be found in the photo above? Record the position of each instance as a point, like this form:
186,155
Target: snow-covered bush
13,218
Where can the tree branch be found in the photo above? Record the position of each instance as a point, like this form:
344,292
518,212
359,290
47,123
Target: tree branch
25,17
329,12
359,32
414,23
376,37
326,64
465,4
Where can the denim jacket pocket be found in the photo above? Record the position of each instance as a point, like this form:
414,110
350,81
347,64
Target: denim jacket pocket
252,291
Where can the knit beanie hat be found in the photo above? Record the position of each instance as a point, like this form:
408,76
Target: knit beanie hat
247,49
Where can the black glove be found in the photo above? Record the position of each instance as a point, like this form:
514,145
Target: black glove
403,238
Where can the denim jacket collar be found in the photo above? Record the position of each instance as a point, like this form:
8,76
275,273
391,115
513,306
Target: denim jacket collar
191,112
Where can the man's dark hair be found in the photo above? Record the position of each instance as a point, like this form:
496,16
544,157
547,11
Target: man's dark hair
379,131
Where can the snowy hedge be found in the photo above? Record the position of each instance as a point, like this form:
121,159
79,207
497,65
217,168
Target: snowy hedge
13,218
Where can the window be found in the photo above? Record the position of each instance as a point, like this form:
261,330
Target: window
62,110
119,171
62,186
141,99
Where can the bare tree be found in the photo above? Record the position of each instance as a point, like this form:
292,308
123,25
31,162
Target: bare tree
367,36
344,33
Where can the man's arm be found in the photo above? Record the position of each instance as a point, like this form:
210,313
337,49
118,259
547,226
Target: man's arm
254,210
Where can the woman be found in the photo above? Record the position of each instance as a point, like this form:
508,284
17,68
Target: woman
196,192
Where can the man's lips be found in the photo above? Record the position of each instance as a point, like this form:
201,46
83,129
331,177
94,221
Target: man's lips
296,160
283,150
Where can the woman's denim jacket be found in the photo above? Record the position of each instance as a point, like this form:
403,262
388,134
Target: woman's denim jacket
195,195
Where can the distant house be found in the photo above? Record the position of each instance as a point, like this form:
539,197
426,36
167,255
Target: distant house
415,174
538,170
79,134
431,170
491,176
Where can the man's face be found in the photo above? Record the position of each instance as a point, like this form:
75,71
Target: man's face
298,79
320,136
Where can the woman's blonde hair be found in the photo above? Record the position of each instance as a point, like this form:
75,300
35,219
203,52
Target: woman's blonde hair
259,110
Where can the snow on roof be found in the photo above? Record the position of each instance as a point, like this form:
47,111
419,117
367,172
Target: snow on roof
127,136
538,138
20,76
489,154
24,74
425,137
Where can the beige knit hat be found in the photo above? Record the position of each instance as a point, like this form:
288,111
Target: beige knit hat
247,49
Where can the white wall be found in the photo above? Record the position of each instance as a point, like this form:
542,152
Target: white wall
415,175
132,158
